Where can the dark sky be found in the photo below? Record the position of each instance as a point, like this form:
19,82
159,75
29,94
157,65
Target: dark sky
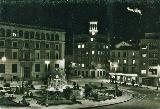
113,17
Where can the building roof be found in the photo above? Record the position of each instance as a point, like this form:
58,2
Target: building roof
30,26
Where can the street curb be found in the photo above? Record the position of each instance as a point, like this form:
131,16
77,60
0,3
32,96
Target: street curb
108,104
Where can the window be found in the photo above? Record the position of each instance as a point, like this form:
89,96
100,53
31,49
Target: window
92,52
8,33
144,55
57,56
56,37
26,35
26,44
14,55
26,55
79,46
47,36
47,46
119,54
37,36
2,32
133,54
37,67
2,43
14,44
42,36
91,39
82,45
133,61
124,54
143,72
2,68
14,34
37,55
107,46
82,65
1,55
31,35
118,61
47,55
37,45
56,65
56,46
153,71
87,52
14,68
52,37
20,33
98,52
124,61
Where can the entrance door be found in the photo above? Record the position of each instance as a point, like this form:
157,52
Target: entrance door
26,72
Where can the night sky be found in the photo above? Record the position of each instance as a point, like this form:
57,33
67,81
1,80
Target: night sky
73,16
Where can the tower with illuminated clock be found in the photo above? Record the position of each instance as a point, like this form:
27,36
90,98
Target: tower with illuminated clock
91,53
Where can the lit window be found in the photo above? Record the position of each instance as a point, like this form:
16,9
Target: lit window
133,54
118,61
98,52
103,46
14,34
124,61
92,52
87,52
107,46
82,45
144,55
91,39
143,72
101,52
82,65
79,46
144,63
133,61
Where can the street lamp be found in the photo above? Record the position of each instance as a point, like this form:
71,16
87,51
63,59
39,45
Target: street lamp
47,63
115,66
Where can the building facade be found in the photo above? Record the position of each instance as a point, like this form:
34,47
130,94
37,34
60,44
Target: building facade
91,53
150,60
127,58
30,52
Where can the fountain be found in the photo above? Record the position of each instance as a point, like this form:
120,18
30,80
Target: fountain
56,83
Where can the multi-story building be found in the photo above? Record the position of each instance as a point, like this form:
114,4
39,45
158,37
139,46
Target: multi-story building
127,57
150,60
30,52
91,53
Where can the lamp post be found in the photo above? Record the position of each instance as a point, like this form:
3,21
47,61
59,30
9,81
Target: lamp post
47,63
115,66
